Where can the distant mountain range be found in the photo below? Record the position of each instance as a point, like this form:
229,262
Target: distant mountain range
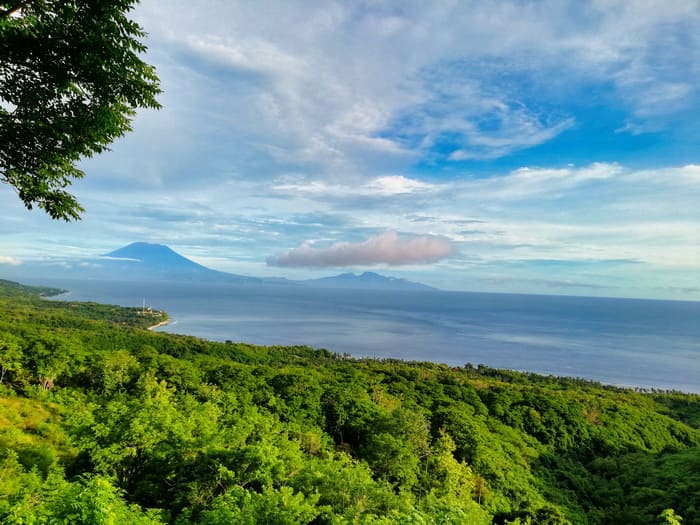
367,280
145,261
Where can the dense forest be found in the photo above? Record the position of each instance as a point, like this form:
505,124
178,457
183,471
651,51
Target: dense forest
105,422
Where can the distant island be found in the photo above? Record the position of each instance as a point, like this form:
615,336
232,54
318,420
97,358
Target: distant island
148,261
367,280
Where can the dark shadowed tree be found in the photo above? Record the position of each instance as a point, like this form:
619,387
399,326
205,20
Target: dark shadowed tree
71,80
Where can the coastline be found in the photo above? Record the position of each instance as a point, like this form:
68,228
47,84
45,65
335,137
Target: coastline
162,323
497,330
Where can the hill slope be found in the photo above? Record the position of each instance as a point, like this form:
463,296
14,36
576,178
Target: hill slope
101,419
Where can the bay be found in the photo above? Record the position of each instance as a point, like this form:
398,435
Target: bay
624,342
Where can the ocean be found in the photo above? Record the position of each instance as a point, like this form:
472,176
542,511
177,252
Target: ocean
624,342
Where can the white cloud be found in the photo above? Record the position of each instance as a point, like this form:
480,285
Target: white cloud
398,184
13,261
341,94
384,186
569,176
691,172
527,183
387,248
520,184
646,49
254,55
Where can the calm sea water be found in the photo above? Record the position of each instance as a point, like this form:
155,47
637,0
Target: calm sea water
617,341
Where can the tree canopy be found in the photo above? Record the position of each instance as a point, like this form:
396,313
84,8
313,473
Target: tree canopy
71,79
103,421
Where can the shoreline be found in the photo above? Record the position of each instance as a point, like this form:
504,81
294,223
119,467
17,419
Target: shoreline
162,323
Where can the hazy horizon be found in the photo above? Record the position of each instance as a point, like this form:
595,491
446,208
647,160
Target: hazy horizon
49,271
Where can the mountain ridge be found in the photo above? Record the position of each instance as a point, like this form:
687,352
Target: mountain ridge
371,280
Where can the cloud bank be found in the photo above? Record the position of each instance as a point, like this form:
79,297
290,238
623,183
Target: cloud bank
386,248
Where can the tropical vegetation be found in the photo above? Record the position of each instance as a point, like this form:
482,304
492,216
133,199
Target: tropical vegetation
103,421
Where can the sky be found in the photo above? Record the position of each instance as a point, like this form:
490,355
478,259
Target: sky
508,146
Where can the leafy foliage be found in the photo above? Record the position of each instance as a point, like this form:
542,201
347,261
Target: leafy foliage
70,82
105,422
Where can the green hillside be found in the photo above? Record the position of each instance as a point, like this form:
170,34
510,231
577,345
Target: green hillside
105,422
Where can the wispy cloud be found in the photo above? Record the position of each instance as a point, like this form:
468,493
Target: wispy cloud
522,183
252,55
527,182
388,248
465,117
521,131
384,186
370,88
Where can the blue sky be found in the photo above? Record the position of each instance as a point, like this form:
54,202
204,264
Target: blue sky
538,147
